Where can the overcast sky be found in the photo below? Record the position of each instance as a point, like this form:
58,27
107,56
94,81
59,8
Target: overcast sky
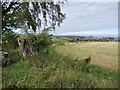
89,18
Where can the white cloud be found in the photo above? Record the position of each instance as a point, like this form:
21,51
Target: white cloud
87,16
93,0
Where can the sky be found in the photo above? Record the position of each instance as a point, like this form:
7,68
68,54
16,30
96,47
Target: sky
89,19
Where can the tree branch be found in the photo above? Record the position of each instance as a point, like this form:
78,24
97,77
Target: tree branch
8,9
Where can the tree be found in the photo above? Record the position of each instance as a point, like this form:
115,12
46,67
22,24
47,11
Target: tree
32,15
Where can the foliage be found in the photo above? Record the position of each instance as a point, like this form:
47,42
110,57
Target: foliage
50,70
9,40
10,45
40,41
31,15
60,40
13,57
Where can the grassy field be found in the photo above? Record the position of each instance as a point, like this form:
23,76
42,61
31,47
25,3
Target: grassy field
104,54
56,71
53,67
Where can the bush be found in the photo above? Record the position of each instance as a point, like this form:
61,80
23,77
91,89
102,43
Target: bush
40,41
13,56
9,40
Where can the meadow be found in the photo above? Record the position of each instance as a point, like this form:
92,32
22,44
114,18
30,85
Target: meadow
104,54
61,66
37,51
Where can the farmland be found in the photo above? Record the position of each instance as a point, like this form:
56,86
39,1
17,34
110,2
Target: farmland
104,54
61,65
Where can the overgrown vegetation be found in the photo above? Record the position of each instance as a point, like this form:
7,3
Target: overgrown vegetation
46,68
50,70
9,40
10,45
40,41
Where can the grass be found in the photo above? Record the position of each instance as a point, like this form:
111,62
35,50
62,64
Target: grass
104,54
53,70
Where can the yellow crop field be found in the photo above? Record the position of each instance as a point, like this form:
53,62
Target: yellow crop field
104,54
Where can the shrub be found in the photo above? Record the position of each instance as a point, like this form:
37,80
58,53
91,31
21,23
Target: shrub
9,40
13,56
40,41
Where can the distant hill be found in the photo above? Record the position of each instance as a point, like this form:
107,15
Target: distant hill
90,37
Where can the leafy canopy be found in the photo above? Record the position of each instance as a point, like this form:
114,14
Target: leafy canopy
31,15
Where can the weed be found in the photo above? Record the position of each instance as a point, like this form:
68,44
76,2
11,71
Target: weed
56,71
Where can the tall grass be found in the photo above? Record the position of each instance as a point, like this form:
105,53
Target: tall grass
51,70
13,57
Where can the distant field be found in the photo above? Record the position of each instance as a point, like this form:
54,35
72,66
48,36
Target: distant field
104,54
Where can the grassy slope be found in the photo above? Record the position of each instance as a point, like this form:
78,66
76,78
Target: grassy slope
55,70
104,54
